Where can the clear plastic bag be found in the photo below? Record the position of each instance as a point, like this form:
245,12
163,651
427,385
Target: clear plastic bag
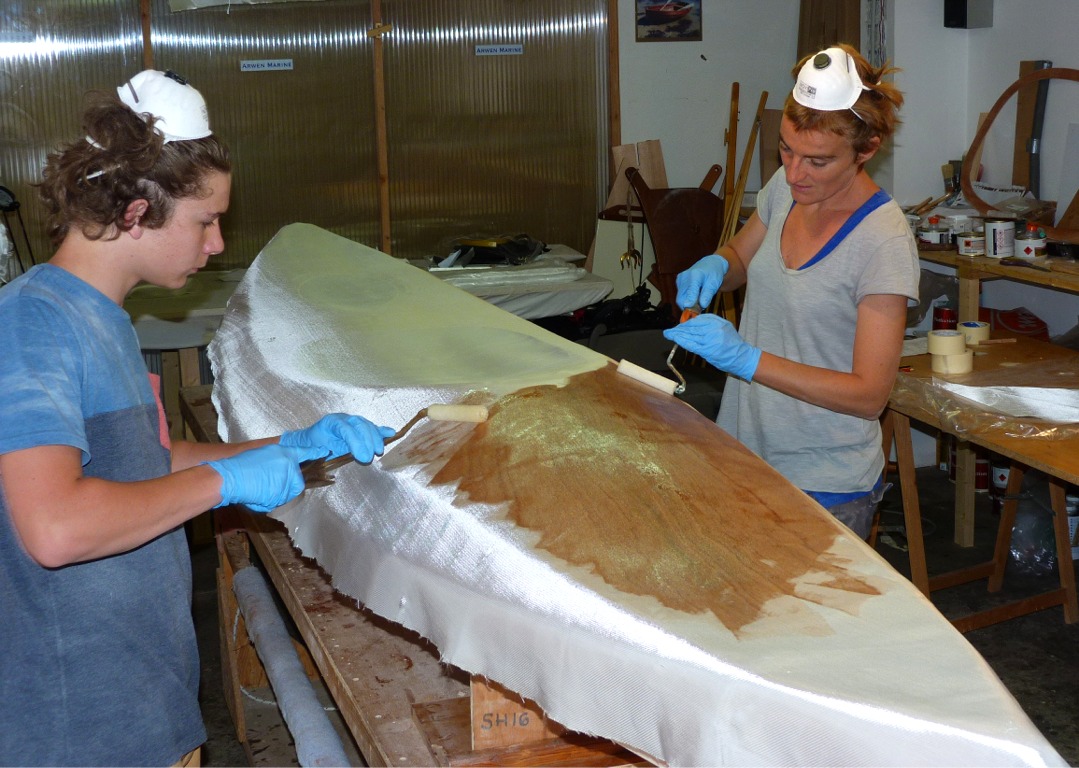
1033,545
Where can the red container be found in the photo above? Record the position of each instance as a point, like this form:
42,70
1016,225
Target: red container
945,318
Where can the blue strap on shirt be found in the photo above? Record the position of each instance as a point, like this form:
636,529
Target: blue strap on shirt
828,499
879,198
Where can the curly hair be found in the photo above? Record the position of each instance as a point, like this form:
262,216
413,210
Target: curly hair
90,182
875,114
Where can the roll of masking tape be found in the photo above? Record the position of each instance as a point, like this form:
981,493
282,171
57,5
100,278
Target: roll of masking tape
975,332
961,363
947,342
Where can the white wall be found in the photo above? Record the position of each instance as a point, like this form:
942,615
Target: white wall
680,93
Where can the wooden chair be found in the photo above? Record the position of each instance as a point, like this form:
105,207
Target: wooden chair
684,225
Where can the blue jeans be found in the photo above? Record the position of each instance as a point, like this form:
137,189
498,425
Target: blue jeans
854,510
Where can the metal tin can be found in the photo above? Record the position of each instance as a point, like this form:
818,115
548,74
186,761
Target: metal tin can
970,244
1029,246
999,238
945,317
933,236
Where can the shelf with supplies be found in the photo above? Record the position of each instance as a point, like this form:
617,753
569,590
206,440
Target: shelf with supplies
1055,272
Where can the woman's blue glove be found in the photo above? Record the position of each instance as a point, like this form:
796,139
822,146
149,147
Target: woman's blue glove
718,342
263,478
340,433
699,284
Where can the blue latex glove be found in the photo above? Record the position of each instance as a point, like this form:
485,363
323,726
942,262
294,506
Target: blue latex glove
699,284
718,342
340,433
263,478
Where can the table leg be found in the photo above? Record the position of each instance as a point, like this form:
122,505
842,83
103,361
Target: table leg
1007,523
965,461
912,512
969,298
1057,493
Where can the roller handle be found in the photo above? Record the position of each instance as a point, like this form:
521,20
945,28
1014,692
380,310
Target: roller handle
316,473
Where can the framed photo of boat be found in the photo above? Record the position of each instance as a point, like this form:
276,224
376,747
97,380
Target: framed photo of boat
666,21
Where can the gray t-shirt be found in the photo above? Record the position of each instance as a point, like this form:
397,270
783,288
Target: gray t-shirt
809,315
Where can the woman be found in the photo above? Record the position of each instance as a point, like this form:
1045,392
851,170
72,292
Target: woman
829,265
100,665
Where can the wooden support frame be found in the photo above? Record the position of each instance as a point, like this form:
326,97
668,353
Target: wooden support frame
897,429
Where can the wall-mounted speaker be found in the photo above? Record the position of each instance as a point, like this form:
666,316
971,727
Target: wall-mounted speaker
968,14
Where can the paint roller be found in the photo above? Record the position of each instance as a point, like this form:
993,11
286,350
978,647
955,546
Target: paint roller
316,473
654,380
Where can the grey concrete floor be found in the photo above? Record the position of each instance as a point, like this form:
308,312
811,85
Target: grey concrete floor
1036,656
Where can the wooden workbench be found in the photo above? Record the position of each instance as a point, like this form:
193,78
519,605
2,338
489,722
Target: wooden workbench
395,696
1024,362
971,271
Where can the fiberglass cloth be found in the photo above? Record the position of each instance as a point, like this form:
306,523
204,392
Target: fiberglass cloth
711,614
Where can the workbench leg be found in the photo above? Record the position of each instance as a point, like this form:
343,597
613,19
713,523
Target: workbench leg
912,512
965,461
1007,522
969,298
1057,495
895,427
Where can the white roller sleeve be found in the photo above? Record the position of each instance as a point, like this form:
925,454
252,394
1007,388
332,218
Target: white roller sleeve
637,373
470,413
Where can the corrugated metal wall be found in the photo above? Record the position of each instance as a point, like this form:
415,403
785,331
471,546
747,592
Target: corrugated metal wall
477,144
51,54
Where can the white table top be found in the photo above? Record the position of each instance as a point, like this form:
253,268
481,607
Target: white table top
551,285
185,317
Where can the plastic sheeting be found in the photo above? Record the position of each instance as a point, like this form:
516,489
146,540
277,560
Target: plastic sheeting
987,404
846,664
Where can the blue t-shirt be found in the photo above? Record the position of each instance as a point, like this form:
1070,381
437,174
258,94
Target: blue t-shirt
98,660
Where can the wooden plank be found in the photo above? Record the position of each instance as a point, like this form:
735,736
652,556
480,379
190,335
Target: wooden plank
650,159
912,513
730,140
769,158
1062,536
622,157
378,73
614,78
501,718
197,410
1024,125
1011,610
965,462
1063,275
147,46
374,669
446,725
